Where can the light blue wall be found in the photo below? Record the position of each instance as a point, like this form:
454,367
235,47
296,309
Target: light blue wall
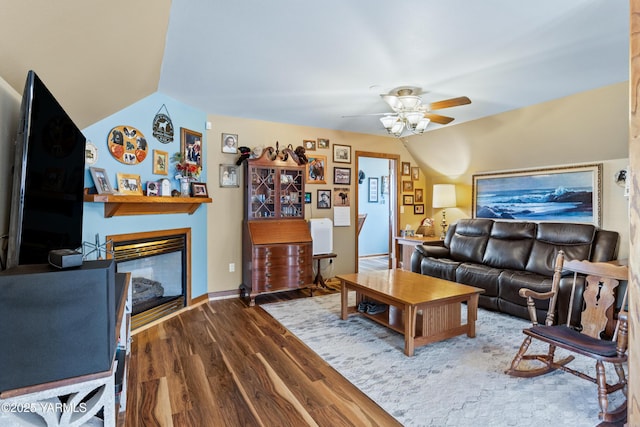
140,116
374,237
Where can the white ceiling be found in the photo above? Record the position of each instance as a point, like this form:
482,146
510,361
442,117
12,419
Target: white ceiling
311,63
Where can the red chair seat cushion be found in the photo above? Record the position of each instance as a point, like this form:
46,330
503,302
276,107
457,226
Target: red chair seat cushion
565,335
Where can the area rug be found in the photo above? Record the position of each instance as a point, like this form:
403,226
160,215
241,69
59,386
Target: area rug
457,382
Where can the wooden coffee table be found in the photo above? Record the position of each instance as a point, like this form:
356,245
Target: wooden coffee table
422,308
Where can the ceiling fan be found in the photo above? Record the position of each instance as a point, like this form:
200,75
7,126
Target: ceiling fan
410,113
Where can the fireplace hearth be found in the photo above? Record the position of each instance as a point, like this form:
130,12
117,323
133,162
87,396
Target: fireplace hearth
159,263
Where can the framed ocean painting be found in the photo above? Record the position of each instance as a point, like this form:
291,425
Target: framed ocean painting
559,194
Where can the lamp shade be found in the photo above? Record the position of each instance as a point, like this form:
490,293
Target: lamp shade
388,121
422,125
444,196
410,102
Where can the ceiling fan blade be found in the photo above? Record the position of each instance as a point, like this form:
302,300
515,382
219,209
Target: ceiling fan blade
437,118
447,103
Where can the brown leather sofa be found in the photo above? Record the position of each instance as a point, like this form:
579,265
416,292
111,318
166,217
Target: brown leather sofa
503,256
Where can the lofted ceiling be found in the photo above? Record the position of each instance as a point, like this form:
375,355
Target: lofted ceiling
312,63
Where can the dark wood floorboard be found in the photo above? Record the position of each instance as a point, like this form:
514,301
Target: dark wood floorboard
224,363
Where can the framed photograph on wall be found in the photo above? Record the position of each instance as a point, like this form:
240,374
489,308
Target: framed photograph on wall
569,193
407,199
342,176
315,169
230,143
191,146
407,186
373,190
418,209
406,169
419,195
323,143
415,173
101,181
160,162
129,184
229,176
341,196
324,199
309,144
341,153
384,184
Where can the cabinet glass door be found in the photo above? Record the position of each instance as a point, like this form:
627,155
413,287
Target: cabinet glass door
291,195
262,193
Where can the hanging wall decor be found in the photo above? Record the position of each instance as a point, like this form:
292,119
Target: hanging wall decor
90,154
127,145
163,126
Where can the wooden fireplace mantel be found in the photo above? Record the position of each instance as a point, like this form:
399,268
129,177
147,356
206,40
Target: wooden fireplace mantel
118,205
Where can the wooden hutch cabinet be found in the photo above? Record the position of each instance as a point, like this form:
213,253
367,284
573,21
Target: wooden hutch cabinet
276,243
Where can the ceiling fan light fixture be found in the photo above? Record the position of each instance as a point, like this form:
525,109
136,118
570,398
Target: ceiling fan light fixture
410,102
388,122
393,102
414,117
409,111
422,125
397,128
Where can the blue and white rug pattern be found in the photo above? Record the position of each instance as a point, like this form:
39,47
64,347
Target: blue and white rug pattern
457,382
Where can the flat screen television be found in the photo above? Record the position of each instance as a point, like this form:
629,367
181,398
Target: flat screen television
48,179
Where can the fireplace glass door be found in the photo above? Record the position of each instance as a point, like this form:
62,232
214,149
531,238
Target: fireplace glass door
158,275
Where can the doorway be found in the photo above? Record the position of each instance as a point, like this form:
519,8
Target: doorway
377,210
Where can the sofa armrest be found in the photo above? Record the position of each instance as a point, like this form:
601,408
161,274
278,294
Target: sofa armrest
433,250
422,251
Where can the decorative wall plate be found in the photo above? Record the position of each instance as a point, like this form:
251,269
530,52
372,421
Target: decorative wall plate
90,154
127,145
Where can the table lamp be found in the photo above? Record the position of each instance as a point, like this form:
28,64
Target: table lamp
444,196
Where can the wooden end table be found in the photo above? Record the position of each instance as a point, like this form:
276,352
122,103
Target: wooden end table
319,280
424,309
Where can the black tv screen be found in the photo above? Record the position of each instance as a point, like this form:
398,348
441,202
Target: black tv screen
48,179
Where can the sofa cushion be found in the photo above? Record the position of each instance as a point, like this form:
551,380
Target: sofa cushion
511,281
574,239
480,276
469,241
509,245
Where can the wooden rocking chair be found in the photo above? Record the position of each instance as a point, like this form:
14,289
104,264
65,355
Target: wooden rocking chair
599,296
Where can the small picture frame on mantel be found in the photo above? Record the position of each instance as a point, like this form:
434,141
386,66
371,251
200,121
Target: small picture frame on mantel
101,181
199,189
129,184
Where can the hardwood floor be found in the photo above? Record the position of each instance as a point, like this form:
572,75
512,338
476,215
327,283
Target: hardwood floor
373,263
223,363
